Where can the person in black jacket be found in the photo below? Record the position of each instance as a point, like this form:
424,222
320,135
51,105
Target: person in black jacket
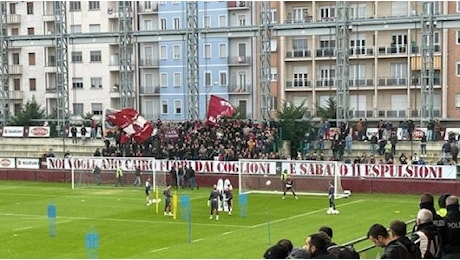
427,202
426,235
398,231
452,246
393,249
317,245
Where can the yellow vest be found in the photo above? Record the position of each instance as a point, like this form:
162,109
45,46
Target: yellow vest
119,172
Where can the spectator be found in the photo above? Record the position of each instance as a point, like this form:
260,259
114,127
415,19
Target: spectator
393,249
73,132
437,130
393,141
374,143
316,244
423,141
398,231
446,148
83,133
426,235
454,151
430,131
348,144
452,246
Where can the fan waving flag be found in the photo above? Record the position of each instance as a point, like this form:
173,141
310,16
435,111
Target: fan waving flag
132,123
217,108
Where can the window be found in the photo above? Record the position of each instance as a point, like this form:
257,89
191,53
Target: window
163,52
17,108
176,52
223,78
222,20
207,51
299,14
76,28
30,8
299,44
31,58
274,74
148,82
75,6
242,84
96,82
12,8
95,56
94,5
14,31
206,21
242,20
77,83
273,16
458,69
458,37
458,6
77,57
327,13
163,79
147,5
30,31
177,82
357,11
17,84
207,79
222,50
32,84
148,25
96,108
300,79
78,109
162,24
176,23
164,106
177,106
94,28
15,58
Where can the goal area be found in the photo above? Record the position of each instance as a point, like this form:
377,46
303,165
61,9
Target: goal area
82,171
309,177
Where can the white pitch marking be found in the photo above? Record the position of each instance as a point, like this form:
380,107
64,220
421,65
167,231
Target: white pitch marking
159,249
303,215
227,233
64,221
197,240
23,228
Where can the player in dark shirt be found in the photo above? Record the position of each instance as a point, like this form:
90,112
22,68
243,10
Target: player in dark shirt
168,196
289,185
213,201
229,197
331,197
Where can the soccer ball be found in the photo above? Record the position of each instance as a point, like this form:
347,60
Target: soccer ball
329,211
268,182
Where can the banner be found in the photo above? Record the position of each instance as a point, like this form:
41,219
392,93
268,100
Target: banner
27,163
131,122
13,131
217,108
7,162
39,131
323,168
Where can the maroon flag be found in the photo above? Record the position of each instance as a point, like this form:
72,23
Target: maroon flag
217,108
132,123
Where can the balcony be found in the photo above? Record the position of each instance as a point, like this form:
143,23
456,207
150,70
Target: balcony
152,9
306,19
358,51
326,52
417,49
298,54
238,4
418,81
240,89
48,16
361,83
297,84
16,94
115,91
325,83
149,90
392,82
239,60
50,92
393,50
149,62
13,19
15,69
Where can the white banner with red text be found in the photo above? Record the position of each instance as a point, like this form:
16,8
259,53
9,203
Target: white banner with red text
303,168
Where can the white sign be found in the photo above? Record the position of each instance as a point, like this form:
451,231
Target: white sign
259,167
13,131
7,163
39,131
27,163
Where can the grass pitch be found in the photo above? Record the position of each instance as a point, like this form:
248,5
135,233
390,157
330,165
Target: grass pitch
127,228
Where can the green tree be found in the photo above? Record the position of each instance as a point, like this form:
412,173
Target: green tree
31,114
294,124
329,111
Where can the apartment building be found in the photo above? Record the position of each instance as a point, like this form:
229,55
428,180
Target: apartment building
384,63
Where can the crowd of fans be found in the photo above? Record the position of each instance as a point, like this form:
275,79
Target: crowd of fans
236,139
435,234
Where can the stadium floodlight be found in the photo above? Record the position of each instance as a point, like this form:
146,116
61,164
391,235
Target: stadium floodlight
310,177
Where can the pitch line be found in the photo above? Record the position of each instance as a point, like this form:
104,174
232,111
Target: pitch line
197,240
124,220
20,229
227,233
303,215
159,249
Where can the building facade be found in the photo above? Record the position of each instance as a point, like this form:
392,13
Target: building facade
385,59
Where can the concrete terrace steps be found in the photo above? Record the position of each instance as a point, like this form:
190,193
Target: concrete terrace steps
36,147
